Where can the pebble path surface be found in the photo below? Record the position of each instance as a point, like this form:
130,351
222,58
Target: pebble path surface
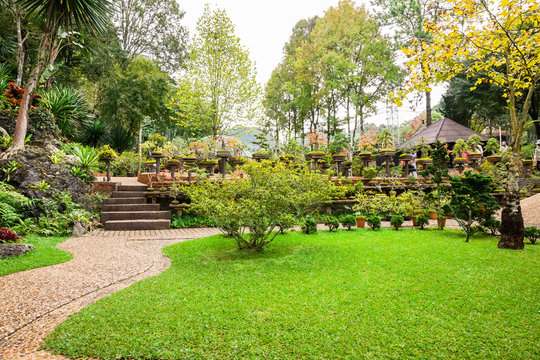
34,302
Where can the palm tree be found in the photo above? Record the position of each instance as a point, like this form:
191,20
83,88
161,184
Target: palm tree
57,14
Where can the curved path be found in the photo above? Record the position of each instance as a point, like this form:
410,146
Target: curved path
34,302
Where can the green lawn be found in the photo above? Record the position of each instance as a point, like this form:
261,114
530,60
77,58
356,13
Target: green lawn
46,253
346,295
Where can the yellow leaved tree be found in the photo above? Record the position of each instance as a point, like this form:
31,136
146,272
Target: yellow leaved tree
498,42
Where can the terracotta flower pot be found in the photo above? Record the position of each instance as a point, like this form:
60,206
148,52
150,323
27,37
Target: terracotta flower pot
433,215
414,222
360,221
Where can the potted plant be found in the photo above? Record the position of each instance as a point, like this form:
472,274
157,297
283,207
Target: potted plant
107,155
460,147
424,149
338,147
474,143
492,147
362,208
385,142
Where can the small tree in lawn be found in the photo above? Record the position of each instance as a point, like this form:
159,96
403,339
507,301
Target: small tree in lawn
496,42
251,209
471,199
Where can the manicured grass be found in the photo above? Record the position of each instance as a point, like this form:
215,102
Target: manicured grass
46,253
346,295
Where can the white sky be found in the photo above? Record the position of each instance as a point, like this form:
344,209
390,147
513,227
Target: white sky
265,26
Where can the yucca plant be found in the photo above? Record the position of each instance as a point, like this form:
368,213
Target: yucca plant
86,156
67,106
93,133
120,139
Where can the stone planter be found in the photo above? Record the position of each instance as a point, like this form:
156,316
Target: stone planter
338,158
260,157
494,159
223,153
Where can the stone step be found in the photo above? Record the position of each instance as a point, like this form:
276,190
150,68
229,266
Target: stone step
130,194
135,215
137,225
130,207
140,187
136,200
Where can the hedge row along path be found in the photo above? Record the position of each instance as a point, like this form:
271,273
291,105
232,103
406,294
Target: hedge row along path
34,302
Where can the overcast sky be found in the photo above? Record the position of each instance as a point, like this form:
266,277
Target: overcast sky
265,26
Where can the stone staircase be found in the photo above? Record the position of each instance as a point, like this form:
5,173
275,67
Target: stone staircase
128,209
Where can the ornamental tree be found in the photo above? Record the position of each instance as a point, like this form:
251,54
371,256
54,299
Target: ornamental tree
220,76
497,42
252,208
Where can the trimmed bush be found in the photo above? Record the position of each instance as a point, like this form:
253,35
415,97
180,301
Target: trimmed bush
374,222
532,233
309,226
396,221
331,222
348,221
422,220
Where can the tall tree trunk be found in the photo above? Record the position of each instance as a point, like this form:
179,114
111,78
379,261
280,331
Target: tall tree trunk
428,108
20,53
22,119
512,227
139,148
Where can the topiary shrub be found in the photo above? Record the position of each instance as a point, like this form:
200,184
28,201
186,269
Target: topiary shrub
309,226
348,221
331,222
422,220
396,221
532,233
374,222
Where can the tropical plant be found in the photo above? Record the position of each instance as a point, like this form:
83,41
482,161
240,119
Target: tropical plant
7,235
67,106
56,156
10,169
120,138
65,15
86,156
424,148
93,133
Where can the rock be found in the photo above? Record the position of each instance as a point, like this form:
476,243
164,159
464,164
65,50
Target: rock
8,250
79,228
35,166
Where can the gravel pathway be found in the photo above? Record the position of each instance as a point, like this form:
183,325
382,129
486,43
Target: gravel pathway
34,302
